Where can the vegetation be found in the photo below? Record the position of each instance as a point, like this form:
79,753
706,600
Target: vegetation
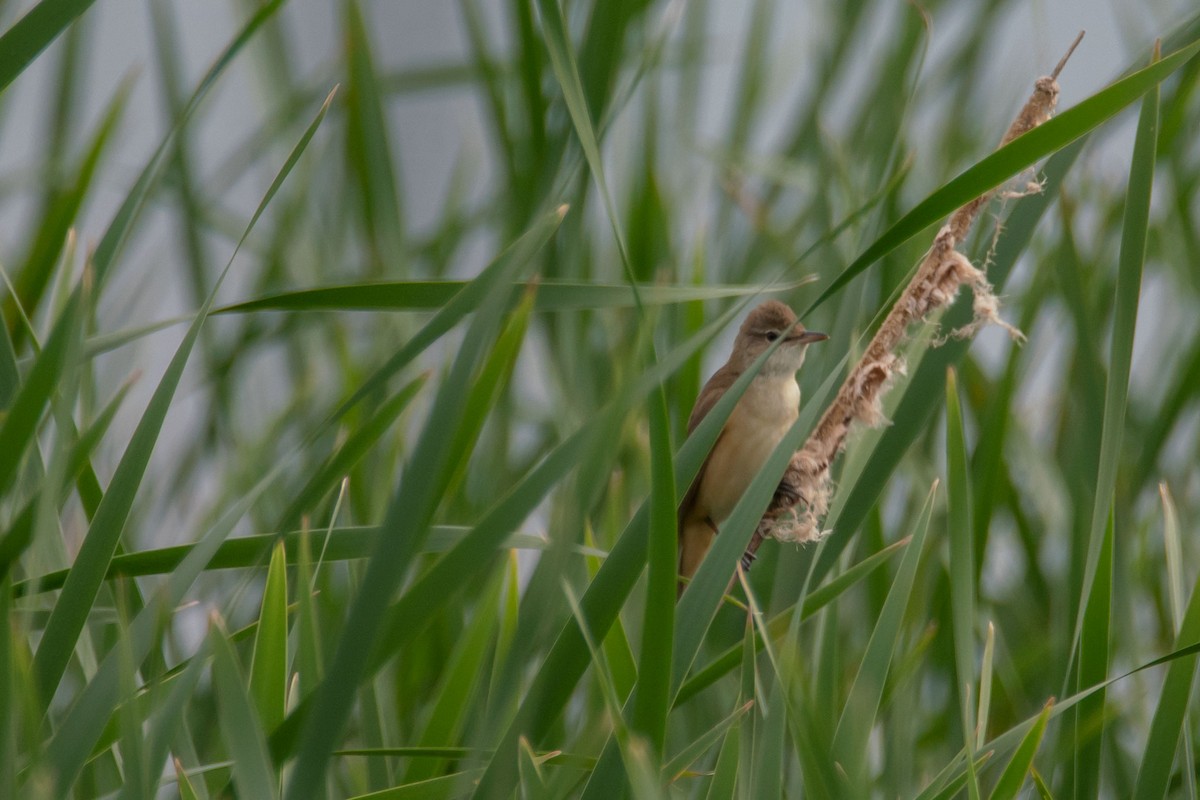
396,519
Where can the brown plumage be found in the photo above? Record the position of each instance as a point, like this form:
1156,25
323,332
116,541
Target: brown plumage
755,427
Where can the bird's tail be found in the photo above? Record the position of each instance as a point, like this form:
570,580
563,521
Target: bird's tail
695,537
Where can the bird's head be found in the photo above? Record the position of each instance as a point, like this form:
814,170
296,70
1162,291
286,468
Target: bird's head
765,325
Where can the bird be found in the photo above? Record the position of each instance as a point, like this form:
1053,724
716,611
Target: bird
763,414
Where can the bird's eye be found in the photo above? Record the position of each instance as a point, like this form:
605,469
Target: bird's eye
772,335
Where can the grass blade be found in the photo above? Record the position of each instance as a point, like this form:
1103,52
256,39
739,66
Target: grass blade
552,295
1182,657
403,533
61,213
1022,152
341,544
985,688
1021,763
368,144
1173,548
432,789
674,769
242,731
654,666
493,378
468,299
862,704
1094,647
268,669
350,453
616,578
962,565
562,60
1166,727
72,743
22,43
632,748
80,588
122,222
21,421
21,531
9,713
604,597
449,705
169,715
723,785
1128,291
778,626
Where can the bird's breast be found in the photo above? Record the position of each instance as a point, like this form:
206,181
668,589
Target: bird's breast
758,423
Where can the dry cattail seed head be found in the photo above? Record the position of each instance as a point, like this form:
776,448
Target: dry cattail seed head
798,508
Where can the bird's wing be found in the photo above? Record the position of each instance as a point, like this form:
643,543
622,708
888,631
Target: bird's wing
696,535
717,385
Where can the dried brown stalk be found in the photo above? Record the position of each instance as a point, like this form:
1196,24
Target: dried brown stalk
796,512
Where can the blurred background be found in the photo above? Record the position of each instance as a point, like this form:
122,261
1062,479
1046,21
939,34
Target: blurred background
738,116
746,146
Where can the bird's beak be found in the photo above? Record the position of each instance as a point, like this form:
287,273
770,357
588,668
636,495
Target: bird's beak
808,337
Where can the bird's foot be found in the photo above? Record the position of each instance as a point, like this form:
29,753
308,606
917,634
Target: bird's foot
787,494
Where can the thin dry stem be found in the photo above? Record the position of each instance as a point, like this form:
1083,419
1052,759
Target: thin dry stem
1063,61
802,500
